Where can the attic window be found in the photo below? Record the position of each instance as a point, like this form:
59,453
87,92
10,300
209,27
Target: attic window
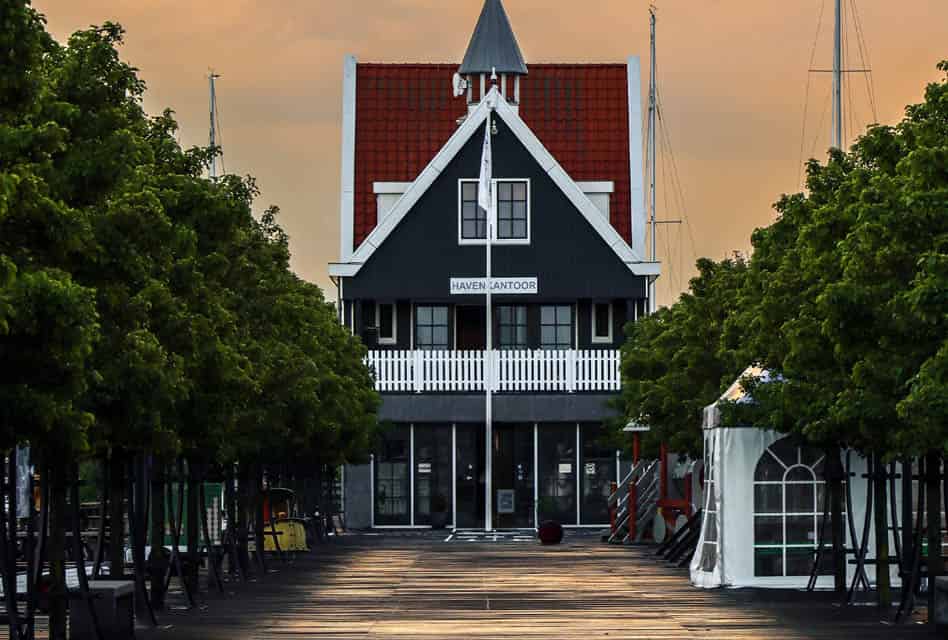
473,218
512,203
512,208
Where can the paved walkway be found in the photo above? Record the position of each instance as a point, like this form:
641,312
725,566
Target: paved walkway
410,587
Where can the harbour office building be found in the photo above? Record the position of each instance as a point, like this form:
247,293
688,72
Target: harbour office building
568,272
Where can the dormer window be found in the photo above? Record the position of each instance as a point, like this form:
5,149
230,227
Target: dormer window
512,203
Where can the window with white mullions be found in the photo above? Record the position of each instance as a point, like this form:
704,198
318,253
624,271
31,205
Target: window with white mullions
788,510
511,210
473,218
512,204
431,327
556,326
602,322
512,325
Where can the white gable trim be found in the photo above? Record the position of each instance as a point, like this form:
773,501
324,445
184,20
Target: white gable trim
636,152
606,186
347,188
390,188
547,162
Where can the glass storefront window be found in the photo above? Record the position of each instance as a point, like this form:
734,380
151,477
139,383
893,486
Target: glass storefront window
392,482
512,482
470,476
432,471
556,472
597,474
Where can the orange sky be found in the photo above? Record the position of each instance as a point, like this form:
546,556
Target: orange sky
733,77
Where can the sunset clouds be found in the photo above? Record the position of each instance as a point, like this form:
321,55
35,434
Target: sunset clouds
733,76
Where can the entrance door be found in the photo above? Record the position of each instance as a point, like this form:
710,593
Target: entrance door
512,476
470,476
471,331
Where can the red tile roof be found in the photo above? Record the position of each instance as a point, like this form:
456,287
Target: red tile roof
405,113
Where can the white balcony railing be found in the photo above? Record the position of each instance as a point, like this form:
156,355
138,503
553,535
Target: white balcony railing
521,370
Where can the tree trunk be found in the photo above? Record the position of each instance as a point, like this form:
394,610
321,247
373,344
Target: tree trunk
243,511
56,547
193,523
230,512
882,532
158,559
117,515
933,509
908,522
258,513
834,477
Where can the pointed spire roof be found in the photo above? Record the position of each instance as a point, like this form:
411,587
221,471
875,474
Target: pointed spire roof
493,44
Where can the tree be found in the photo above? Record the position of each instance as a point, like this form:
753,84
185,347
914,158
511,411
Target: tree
674,363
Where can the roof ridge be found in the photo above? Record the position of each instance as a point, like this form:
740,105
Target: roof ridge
453,65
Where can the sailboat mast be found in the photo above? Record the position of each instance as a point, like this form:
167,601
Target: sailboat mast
837,133
652,112
651,128
212,137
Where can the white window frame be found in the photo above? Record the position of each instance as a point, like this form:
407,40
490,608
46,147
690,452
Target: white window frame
784,514
394,338
607,339
494,238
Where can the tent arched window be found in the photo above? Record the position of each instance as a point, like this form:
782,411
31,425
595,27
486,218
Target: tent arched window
788,503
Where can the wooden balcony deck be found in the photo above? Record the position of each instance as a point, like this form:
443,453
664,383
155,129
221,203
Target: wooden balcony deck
420,587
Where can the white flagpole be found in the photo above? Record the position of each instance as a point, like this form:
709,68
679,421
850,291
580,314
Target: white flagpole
489,356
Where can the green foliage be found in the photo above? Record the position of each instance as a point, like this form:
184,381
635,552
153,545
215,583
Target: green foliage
674,362
143,307
844,303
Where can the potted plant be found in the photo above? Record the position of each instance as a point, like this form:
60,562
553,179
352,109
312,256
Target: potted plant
439,511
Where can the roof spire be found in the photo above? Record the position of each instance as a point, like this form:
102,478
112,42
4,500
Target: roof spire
493,45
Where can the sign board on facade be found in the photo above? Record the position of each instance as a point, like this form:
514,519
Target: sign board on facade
424,467
498,286
566,467
505,501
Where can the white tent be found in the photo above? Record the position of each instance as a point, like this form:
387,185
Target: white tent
763,506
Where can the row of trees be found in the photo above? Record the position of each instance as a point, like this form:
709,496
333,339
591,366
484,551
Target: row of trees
844,301
144,310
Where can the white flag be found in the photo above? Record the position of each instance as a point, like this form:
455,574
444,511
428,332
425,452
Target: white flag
484,199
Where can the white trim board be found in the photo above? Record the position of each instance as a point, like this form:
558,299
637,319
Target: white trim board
347,188
636,156
390,187
633,260
602,186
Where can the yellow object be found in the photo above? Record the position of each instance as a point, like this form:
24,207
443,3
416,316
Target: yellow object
292,535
